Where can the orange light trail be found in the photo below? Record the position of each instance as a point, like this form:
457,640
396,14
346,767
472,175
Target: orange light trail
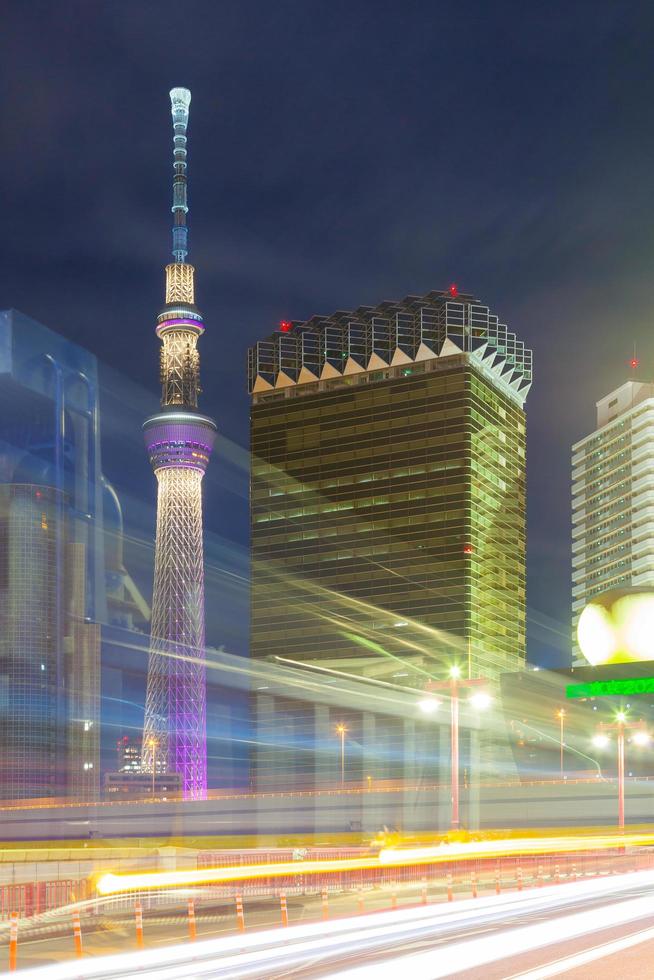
111,884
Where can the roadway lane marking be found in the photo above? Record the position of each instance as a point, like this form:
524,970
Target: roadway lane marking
567,963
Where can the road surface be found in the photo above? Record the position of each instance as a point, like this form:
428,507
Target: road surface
586,928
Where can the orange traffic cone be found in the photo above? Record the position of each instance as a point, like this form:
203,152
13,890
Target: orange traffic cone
77,933
240,918
13,941
138,918
192,933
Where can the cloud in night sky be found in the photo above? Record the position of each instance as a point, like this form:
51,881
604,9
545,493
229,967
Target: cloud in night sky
341,154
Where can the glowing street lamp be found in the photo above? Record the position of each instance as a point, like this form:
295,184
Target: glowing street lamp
429,705
480,700
342,730
640,737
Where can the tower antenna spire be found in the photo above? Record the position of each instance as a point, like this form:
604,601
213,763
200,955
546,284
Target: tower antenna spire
180,101
179,440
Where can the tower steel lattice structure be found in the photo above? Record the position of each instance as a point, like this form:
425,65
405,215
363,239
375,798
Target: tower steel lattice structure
179,441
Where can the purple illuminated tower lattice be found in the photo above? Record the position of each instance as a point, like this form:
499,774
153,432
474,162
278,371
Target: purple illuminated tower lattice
179,441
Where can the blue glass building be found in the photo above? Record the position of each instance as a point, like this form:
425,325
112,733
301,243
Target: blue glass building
61,572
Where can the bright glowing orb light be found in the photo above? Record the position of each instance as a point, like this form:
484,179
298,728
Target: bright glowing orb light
481,700
635,617
428,705
601,741
595,634
618,627
641,738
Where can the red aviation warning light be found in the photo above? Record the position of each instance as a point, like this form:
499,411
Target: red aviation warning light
467,549
285,326
634,362
453,290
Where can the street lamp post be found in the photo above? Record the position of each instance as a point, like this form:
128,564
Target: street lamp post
341,730
561,714
152,743
601,739
454,747
621,776
481,700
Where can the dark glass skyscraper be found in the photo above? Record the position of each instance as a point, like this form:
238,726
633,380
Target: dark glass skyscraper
388,489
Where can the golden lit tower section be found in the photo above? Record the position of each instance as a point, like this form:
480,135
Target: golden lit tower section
179,441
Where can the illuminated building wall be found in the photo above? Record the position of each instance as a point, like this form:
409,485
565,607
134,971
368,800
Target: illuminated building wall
33,744
388,488
179,440
613,499
128,751
82,646
51,699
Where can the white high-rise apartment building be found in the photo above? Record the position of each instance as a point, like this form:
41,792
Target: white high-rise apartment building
613,499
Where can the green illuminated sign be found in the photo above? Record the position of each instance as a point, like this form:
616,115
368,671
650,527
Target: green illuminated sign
599,689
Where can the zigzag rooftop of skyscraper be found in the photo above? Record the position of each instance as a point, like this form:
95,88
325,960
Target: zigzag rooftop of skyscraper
388,338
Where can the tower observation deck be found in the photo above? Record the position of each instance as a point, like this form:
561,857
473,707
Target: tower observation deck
179,440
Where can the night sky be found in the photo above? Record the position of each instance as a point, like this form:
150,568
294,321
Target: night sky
340,153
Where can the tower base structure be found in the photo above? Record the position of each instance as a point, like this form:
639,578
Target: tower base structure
179,444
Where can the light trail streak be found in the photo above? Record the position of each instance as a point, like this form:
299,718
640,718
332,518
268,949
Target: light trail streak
566,963
568,747
457,957
374,681
111,884
274,952
509,848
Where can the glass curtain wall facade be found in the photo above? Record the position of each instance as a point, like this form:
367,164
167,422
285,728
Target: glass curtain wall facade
612,500
52,570
388,512
33,744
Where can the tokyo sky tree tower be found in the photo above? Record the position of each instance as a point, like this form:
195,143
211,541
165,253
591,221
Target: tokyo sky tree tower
179,440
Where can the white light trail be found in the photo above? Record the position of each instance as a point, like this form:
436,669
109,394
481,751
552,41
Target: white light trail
454,958
587,956
271,951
